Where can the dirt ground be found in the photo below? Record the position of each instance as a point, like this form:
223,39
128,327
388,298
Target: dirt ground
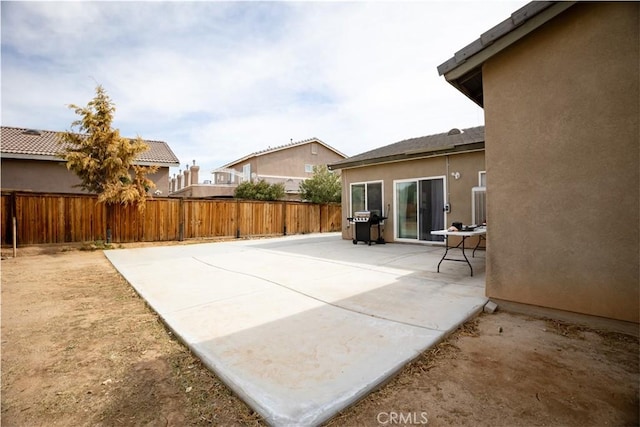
79,347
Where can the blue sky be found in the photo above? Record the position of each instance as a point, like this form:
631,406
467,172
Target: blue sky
220,80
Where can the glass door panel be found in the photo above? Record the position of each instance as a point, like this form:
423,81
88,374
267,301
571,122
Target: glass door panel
420,209
431,212
406,212
357,198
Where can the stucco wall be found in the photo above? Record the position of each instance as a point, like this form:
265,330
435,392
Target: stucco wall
205,190
161,179
53,177
38,176
562,155
459,191
290,162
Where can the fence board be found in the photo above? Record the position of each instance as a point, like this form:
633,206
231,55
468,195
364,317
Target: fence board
5,219
58,218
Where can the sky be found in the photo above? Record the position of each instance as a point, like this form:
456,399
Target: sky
220,80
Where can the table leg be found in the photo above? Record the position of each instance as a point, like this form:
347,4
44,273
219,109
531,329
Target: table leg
480,238
465,255
446,251
446,245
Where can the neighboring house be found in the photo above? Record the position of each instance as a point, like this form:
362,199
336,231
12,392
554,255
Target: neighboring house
29,163
420,184
559,85
288,164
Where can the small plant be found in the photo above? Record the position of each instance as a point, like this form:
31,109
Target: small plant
96,245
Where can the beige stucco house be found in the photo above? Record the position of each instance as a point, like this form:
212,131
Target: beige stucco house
559,85
29,163
420,184
288,164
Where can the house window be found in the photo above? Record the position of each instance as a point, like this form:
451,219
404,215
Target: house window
479,205
246,172
479,200
314,148
367,196
308,168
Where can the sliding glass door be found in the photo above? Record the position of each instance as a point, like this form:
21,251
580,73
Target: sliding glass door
406,210
419,208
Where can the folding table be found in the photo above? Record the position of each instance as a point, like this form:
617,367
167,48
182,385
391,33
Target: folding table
480,231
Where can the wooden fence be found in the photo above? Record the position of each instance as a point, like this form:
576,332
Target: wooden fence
61,218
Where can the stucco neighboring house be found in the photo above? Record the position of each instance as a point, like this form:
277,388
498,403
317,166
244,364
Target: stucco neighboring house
559,84
29,163
288,164
421,184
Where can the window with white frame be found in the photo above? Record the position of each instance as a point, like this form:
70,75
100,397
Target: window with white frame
246,172
367,196
479,200
308,168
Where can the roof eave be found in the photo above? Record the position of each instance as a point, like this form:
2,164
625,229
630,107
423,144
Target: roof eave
413,155
30,156
161,164
49,157
469,60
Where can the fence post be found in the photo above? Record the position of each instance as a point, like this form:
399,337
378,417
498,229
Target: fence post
14,212
15,239
108,233
284,218
181,216
237,218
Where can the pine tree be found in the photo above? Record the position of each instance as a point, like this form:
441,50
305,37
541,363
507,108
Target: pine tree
104,160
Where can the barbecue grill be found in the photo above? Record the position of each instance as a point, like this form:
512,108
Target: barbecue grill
363,222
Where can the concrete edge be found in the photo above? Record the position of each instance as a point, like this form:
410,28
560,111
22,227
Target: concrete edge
384,380
314,419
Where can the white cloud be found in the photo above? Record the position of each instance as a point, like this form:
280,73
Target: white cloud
219,80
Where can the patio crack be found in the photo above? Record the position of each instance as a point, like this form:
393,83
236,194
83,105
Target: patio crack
314,297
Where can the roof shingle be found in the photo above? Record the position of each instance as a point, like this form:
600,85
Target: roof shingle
453,141
43,144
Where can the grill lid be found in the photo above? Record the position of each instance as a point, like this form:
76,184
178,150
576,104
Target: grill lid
362,216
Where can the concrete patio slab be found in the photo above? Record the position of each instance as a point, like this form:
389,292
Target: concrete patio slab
300,327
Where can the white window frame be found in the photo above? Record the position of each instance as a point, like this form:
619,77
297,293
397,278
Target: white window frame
395,209
246,172
308,168
475,190
366,197
482,174
482,187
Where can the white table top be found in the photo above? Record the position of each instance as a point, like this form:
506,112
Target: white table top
477,232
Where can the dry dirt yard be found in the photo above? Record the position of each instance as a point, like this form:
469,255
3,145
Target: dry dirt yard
79,347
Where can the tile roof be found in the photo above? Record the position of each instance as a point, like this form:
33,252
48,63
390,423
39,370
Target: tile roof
455,140
25,143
